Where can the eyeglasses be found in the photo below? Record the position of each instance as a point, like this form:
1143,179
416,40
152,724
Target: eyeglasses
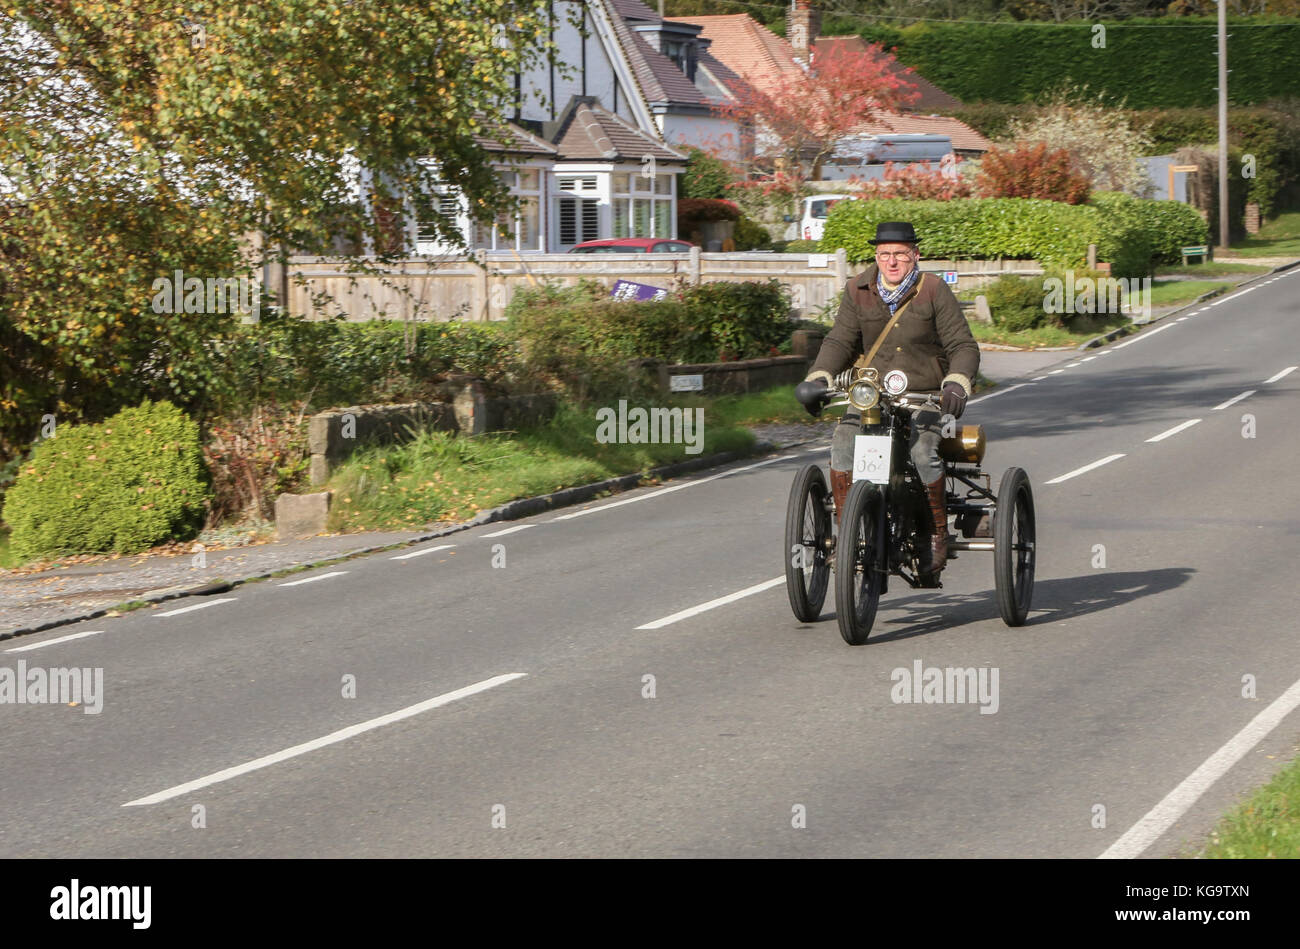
899,255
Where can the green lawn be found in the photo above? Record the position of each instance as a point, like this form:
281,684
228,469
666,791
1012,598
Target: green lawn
1280,237
1171,292
442,477
1267,825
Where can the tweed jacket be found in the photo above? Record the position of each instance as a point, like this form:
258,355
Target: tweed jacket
931,341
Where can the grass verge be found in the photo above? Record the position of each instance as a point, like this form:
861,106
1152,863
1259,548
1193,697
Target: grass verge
1267,825
1213,268
1280,237
439,477
1080,329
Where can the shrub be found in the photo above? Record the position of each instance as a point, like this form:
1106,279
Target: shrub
1031,171
124,485
580,340
801,246
707,209
1017,304
750,235
916,180
705,176
253,459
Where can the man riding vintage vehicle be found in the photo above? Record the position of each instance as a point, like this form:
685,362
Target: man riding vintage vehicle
895,451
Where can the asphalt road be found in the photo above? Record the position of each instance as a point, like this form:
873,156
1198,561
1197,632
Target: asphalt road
527,726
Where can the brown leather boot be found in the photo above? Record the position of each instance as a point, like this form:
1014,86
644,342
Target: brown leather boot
939,518
841,481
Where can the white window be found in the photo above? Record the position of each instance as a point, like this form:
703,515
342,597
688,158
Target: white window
521,230
643,206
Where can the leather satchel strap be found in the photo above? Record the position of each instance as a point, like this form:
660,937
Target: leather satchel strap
866,360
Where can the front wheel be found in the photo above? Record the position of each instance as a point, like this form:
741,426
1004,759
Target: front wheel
1013,546
807,543
859,563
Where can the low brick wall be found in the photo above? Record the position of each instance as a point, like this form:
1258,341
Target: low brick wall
746,375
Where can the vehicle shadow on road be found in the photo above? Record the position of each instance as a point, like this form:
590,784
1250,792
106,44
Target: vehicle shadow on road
1053,600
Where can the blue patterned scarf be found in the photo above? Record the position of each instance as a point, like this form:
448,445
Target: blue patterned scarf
891,297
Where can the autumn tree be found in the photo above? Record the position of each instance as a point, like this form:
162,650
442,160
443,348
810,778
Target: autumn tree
798,118
1031,171
139,138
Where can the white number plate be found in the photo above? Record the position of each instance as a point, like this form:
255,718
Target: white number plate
871,456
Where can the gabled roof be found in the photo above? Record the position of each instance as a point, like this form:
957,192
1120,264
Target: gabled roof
964,138
511,139
659,76
586,131
634,10
931,97
747,47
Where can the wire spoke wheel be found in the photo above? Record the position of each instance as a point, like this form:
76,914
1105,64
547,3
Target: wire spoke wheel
807,542
1014,546
859,563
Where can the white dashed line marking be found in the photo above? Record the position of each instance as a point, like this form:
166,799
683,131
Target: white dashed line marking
1235,398
1285,372
1086,468
1173,431
51,642
1147,335
509,530
421,553
197,606
712,604
323,576
330,739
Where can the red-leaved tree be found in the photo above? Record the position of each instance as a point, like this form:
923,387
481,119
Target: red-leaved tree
798,118
1031,171
916,180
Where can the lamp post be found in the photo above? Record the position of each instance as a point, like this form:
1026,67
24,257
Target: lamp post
1223,123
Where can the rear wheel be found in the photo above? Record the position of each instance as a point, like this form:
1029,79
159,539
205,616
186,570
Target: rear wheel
859,563
807,536
1013,546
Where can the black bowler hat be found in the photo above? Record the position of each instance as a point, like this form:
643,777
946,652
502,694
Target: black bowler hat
896,232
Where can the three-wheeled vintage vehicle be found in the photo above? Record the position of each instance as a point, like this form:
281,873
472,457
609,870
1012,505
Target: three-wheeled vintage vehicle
886,523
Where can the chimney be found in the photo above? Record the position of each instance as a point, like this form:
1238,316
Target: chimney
802,25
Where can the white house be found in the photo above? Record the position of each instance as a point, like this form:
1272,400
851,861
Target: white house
595,140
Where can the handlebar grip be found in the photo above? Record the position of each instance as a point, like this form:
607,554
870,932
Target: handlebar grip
811,393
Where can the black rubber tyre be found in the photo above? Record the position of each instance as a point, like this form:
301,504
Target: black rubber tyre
858,570
807,530
1013,547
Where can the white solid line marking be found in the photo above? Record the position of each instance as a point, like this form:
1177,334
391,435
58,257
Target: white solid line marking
720,601
676,487
509,530
1177,802
323,576
1285,372
1173,431
51,642
1086,468
1147,335
330,739
198,606
1235,398
421,553
1018,385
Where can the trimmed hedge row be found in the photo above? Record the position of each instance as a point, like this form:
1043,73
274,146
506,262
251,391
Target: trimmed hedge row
1143,60
124,485
1129,232
583,341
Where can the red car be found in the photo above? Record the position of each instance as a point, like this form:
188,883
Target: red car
633,245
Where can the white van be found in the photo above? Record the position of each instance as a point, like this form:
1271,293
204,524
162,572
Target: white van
815,211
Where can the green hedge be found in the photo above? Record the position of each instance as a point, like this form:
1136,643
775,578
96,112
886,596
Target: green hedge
1129,232
341,363
127,484
581,340
1154,62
